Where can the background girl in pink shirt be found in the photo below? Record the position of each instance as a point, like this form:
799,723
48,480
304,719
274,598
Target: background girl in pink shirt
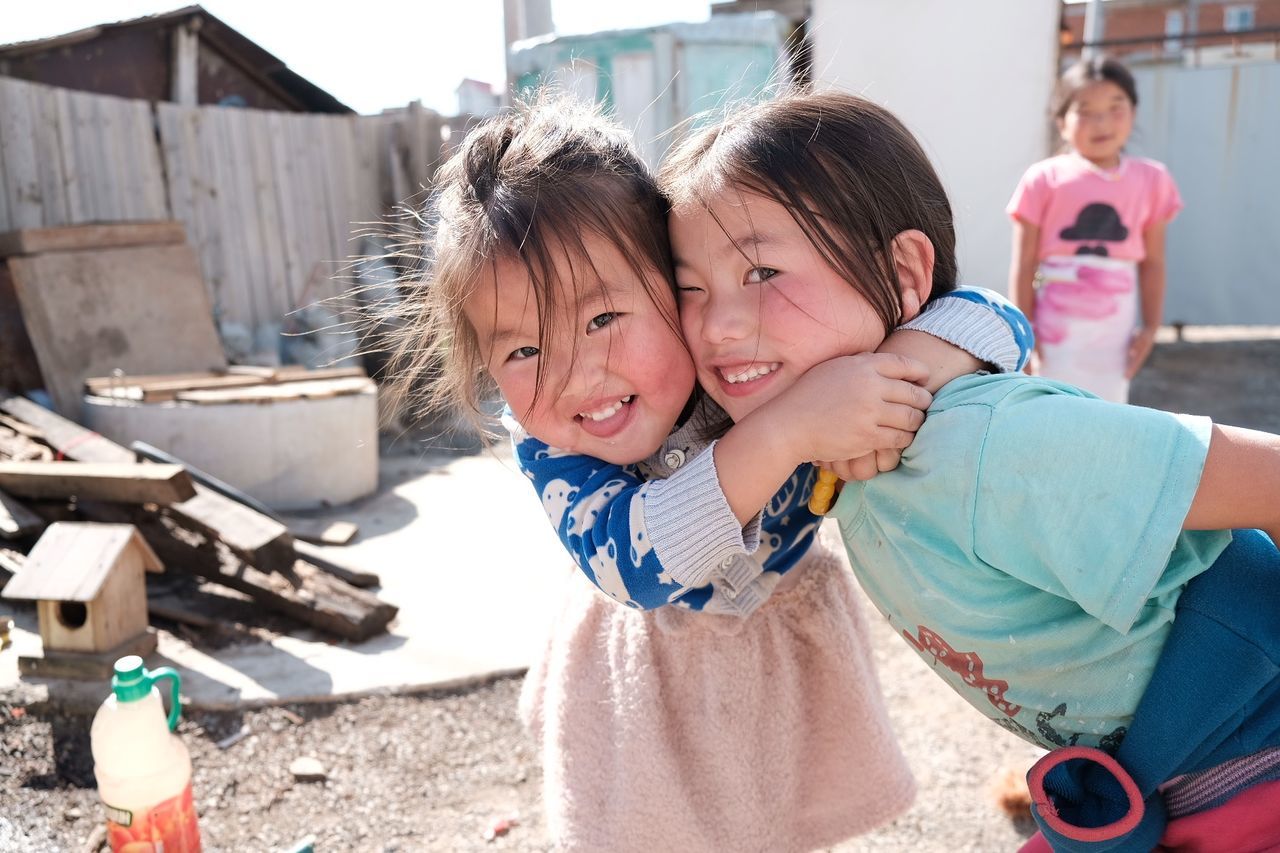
1088,237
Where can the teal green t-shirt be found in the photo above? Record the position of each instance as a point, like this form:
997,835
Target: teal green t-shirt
1030,547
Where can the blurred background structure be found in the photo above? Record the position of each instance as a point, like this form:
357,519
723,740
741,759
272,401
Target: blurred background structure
182,116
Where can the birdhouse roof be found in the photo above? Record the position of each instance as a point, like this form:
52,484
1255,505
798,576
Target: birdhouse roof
72,560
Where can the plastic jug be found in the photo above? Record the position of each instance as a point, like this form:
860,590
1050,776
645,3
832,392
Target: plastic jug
143,770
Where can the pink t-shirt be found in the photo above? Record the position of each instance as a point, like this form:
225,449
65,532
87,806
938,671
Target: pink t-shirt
1081,209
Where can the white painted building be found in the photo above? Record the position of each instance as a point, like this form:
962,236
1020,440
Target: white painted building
971,80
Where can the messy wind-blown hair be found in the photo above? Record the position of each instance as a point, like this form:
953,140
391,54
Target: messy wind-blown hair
529,185
850,174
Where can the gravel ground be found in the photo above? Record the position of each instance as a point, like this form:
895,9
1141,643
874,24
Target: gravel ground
435,771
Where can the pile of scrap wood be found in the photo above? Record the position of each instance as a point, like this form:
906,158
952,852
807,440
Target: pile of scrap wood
53,469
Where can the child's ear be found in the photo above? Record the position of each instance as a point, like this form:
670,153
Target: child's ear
913,260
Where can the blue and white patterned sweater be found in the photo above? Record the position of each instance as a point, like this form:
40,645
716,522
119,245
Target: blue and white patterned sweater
661,532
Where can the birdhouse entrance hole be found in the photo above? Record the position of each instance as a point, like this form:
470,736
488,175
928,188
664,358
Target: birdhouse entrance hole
72,614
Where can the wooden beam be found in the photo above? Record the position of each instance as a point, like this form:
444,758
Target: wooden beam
316,557
259,393
67,437
95,383
64,238
320,531
252,536
294,372
160,388
133,483
16,521
163,390
186,59
309,595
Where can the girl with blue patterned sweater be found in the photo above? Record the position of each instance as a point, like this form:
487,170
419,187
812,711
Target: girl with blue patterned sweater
747,714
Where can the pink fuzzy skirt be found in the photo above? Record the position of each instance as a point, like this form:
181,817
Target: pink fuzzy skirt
676,730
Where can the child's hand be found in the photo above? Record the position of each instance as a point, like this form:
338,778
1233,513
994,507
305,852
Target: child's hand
864,467
852,406
1139,348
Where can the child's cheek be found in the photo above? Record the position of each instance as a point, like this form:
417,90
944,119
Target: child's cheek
793,301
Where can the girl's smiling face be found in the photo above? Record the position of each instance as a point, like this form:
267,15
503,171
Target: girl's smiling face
1098,123
759,304
611,377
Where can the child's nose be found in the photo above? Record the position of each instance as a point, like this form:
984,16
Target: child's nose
588,369
728,317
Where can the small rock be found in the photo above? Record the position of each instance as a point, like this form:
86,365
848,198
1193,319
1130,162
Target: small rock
308,769
73,814
501,826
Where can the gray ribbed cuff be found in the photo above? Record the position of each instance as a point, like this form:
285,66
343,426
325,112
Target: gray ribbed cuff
976,329
750,598
694,533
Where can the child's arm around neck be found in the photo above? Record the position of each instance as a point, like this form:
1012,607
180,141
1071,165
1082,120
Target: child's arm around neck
875,399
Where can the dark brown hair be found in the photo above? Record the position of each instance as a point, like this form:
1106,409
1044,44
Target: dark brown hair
531,185
1085,73
851,175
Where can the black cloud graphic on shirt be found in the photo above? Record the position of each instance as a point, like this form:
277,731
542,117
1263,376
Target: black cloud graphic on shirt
1096,221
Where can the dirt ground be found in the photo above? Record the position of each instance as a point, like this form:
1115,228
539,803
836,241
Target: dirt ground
435,771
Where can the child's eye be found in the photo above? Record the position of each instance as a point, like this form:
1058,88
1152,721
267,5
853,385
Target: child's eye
758,275
522,353
601,320
687,288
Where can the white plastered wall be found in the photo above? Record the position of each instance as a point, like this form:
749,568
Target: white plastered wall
971,79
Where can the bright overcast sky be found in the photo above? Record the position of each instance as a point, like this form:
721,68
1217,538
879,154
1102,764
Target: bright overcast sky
370,54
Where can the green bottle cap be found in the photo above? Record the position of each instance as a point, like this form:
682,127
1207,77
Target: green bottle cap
133,681
130,682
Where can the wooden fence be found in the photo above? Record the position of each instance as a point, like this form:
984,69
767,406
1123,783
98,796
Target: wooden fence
269,200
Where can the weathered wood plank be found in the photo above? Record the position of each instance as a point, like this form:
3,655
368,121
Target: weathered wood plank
319,531
267,221
52,182
159,391
252,536
100,383
66,152
21,160
305,593
151,178
67,437
241,204
318,558
257,393
285,171
110,190
64,238
135,307
103,481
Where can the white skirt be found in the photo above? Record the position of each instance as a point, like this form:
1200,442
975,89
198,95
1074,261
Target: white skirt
676,730
1086,309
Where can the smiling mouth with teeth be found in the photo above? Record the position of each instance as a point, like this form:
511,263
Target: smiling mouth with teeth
606,412
755,371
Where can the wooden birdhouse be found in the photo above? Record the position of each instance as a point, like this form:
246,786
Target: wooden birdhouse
89,584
